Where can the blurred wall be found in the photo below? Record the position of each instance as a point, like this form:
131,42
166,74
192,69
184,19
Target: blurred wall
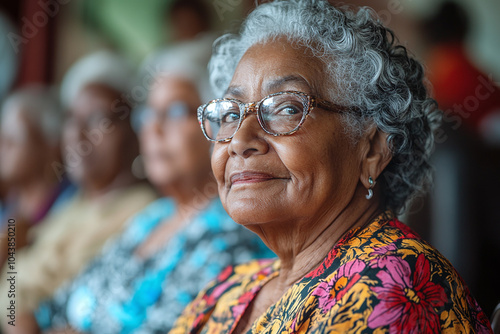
133,27
484,41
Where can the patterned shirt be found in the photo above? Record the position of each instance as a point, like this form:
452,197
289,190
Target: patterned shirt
122,293
379,279
66,241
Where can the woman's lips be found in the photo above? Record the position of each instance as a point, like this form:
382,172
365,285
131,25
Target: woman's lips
250,177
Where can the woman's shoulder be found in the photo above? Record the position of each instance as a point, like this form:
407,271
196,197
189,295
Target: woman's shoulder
396,270
233,276
230,284
393,237
144,222
387,234
253,271
390,243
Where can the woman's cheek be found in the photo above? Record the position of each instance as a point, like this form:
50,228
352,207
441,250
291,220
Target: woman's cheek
219,160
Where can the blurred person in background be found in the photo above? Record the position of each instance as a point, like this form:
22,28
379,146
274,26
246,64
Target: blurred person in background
29,144
8,56
3,192
8,68
99,146
466,94
188,26
143,279
464,203
188,19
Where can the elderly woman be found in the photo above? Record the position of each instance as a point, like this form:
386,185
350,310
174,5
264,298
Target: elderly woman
98,149
324,134
29,145
145,277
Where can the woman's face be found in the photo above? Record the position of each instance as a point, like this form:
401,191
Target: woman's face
172,145
306,176
95,138
22,148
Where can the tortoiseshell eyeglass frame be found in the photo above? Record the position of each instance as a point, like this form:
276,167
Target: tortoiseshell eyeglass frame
246,108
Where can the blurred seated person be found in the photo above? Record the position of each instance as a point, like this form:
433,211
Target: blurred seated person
9,58
3,191
188,26
3,187
30,143
468,154
99,147
465,93
143,279
188,19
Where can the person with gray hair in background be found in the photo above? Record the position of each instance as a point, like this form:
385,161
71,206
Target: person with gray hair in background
143,279
98,148
30,133
322,135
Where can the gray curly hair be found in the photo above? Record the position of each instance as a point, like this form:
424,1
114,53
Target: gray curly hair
41,106
368,72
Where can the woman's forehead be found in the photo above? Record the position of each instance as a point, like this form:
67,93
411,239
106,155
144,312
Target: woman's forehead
272,83
93,100
278,65
169,89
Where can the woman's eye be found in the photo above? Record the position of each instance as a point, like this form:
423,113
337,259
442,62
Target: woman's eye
230,117
287,110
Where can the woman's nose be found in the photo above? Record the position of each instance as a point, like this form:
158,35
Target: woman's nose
249,139
153,125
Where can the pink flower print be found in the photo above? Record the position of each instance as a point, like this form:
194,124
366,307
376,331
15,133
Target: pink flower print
384,250
407,304
329,293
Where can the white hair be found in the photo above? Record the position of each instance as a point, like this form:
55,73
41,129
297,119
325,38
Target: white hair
368,71
187,60
105,67
40,105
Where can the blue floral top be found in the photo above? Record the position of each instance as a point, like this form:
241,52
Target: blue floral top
122,293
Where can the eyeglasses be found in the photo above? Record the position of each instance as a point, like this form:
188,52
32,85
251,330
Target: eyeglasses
175,111
279,114
92,121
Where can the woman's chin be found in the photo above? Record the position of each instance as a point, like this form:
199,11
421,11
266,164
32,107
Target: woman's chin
252,211
160,181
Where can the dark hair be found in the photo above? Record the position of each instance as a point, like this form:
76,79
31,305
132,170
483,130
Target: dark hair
198,7
449,24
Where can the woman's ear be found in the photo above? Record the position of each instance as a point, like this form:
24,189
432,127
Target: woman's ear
376,155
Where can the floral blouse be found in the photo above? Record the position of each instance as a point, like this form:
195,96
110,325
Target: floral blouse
379,279
121,293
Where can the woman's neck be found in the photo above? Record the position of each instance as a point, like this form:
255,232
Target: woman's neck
122,180
31,196
192,196
304,248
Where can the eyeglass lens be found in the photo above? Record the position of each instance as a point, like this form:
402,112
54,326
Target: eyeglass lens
278,114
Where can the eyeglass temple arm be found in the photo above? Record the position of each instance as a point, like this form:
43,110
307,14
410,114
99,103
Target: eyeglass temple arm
327,105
